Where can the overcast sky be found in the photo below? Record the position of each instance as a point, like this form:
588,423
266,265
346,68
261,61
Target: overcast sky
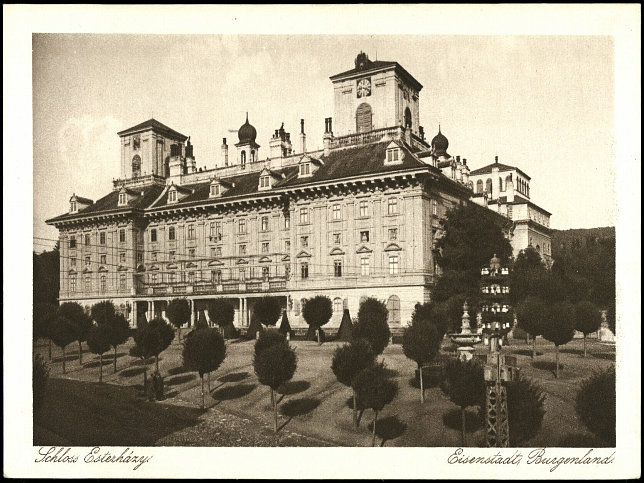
542,103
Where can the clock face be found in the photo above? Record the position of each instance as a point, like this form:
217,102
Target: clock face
364,87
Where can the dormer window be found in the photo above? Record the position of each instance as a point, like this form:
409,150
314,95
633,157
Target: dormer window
264,182
172,196
393,155
215,189
73,208
122,199
305,169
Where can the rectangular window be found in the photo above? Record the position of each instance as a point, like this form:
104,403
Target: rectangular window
101,238
215,231
172,196
154,256
87,240
287,221
393,265
364,266
337,268
88,284
364,236
392,206
265,247
153,235
337,238
287,271
363,208
123,282
103,286
121,198
172,233
122,257
287,246
434,208
72,284
191,277
73,261
139,257
214,190
171,255
393,234
72,242
242,274
337,212
305,169
242,226
73,206
242,249
216,276
87,261
191,232
304,269
191,253
265,274
121,235
103,259
304,216
304,241
264,223
153,278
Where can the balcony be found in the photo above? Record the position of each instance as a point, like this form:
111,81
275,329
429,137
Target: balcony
208,287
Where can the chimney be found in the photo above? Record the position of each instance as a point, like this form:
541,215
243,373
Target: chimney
496,181
224,152
302,137
496,160
328,136
509,189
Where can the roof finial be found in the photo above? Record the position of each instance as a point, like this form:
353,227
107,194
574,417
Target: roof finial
247,116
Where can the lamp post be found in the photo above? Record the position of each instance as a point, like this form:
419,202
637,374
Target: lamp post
497,322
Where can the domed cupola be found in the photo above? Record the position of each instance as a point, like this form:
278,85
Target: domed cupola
247,133
440,142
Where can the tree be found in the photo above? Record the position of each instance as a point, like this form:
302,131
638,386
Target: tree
348,361
268,338
588,319
103,312
62,333
153,338
531,316
119,333
525,409
596,404
559,327
317,312
43,316
75,313
374,390
611,316
178,312
372,324
98,341
138,350
40,376
222,313
274,366
267,310
46,273
528,276
464,385
472,235
204,352
421,342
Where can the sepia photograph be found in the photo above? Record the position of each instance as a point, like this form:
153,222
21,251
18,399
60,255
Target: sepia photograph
344,240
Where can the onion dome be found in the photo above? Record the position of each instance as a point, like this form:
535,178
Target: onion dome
440,142
247,133
495,262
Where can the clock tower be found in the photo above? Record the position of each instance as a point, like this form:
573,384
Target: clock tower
375,95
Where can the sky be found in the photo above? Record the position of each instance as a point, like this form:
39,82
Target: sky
542,103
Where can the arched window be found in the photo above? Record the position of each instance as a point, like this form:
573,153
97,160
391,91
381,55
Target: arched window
252,156
479,186
508,179
408,117
363,118
488,186
538,249
136,166
243,159
166,166
337,304
393,308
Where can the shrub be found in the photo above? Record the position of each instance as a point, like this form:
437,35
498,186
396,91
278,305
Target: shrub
99,342
178,312
76,315
204,352
587,319
39,379
525,409
274,366
421,343
267,310
374,389
268,338
596,403
559,327
62,333
317,312
348,361
464,385
372,325
222,313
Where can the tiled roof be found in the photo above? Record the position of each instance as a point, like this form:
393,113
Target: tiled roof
375,66
85,201
502,167
157,126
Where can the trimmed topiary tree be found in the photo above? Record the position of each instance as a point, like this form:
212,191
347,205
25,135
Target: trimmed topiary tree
531,317
40,377
285,327
559,327
204,352
525,409
152,338
421,342
99,342
76,315
464,385
178,312
222,313
345,331
268,338
374,389
317,312
138,350
588,319
119,332
267,310
372,324
43,316
103,312
596,403
274,366
348,361
62,333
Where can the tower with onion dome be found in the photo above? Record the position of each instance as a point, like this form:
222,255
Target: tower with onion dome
247,148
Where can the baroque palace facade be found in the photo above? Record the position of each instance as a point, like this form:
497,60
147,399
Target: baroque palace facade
357,219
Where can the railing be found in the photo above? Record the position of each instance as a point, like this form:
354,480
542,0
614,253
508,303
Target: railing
139,181
367,137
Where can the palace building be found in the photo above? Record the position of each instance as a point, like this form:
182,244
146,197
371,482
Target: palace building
357,219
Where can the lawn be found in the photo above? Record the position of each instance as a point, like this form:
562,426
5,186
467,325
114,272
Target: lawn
313,406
